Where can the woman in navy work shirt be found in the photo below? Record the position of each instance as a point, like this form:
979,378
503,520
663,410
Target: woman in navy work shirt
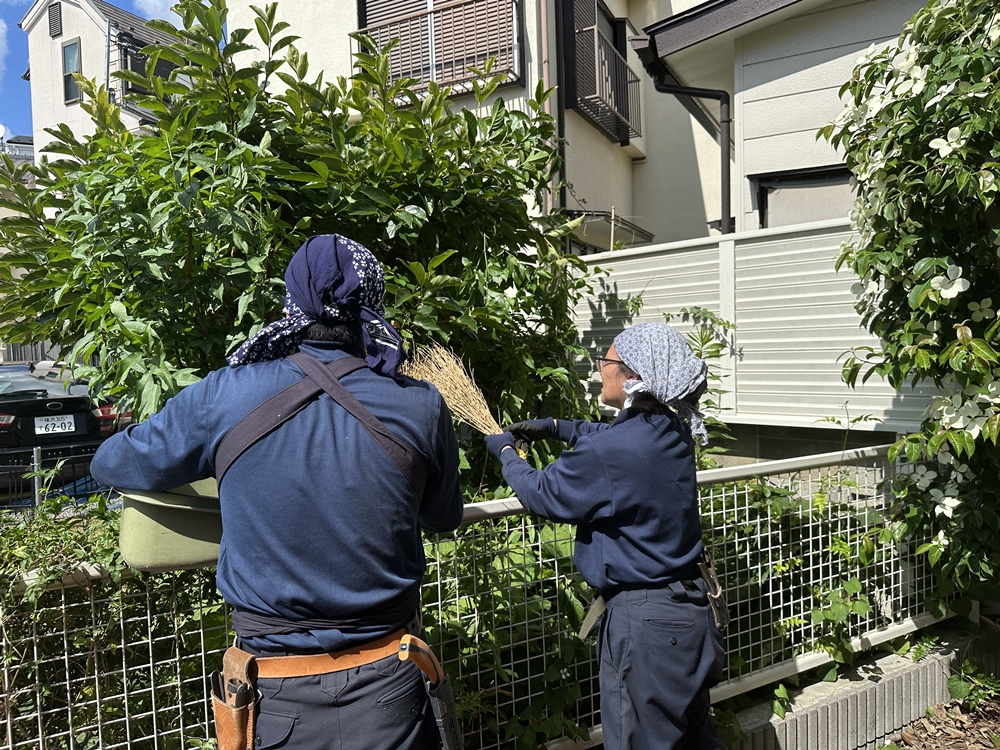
631,489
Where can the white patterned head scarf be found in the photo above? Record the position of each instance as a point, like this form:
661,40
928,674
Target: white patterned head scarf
330,279
669,369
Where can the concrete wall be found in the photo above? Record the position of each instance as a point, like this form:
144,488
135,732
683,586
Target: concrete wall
787,79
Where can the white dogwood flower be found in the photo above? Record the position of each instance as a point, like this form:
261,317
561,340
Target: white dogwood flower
951,284
942,92
944,504
922,477
914,83
951,142
982,310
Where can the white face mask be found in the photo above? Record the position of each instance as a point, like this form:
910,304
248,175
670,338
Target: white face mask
632,388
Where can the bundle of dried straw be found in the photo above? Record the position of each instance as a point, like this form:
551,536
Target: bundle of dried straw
441,367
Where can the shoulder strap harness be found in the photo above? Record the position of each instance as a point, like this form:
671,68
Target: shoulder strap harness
285,404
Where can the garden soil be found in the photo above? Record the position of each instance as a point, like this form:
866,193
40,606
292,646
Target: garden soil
952,726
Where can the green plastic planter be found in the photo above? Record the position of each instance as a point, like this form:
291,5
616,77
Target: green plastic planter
175,530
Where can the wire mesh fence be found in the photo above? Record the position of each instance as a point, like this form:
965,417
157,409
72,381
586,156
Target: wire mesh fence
108,665
72,478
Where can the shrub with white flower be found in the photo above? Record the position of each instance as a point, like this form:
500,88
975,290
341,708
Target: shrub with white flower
918,133
982,310
922,477
951,284
951,142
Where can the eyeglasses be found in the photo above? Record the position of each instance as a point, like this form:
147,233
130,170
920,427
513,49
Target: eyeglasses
600,362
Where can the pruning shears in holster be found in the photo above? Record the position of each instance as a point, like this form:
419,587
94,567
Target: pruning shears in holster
234,700
438,687
716,596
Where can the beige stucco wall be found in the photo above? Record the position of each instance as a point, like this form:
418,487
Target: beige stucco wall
787,82
676,188
48,109
323,30
599,170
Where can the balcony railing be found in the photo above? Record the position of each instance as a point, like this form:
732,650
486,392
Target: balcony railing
606,88
441,45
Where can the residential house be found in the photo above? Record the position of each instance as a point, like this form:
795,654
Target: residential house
649,163
20,148
90,37
640,89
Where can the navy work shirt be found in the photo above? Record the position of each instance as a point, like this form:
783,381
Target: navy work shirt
319,523
631,489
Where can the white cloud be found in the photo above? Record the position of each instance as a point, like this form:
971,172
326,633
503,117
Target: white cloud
156,9
3,50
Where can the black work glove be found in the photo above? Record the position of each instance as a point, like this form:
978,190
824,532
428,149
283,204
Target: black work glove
531,429
496,443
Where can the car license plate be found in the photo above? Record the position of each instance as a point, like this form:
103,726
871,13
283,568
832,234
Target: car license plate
54,425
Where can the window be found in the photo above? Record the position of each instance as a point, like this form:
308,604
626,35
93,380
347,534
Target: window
55,20
131,58
599,82
439,40
799,196
71,65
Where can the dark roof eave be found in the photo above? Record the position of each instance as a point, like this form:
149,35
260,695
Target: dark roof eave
708,20
132,24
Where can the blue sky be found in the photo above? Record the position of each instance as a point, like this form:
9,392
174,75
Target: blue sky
15,96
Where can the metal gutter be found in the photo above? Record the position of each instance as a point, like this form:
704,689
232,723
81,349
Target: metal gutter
665,83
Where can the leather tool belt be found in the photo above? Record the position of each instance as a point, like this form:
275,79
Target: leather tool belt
713,592
234,689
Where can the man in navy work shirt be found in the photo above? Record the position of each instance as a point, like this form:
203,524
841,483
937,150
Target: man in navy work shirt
631,489
321,551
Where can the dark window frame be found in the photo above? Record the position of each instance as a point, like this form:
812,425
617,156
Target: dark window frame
67,75
764,180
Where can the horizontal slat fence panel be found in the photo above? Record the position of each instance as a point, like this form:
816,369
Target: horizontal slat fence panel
794,316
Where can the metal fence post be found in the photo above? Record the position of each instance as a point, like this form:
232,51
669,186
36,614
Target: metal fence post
36,466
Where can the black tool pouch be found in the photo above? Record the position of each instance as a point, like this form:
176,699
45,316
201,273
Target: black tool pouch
234,700
716,597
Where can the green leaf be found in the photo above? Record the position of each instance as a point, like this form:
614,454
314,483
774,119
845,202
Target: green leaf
418,272
958,688
934,555
118,310
991,430
437,260
956,441
981,349
969,442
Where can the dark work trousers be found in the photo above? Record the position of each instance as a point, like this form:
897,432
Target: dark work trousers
660,652
379,706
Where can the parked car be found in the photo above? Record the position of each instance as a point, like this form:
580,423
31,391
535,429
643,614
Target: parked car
37,408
